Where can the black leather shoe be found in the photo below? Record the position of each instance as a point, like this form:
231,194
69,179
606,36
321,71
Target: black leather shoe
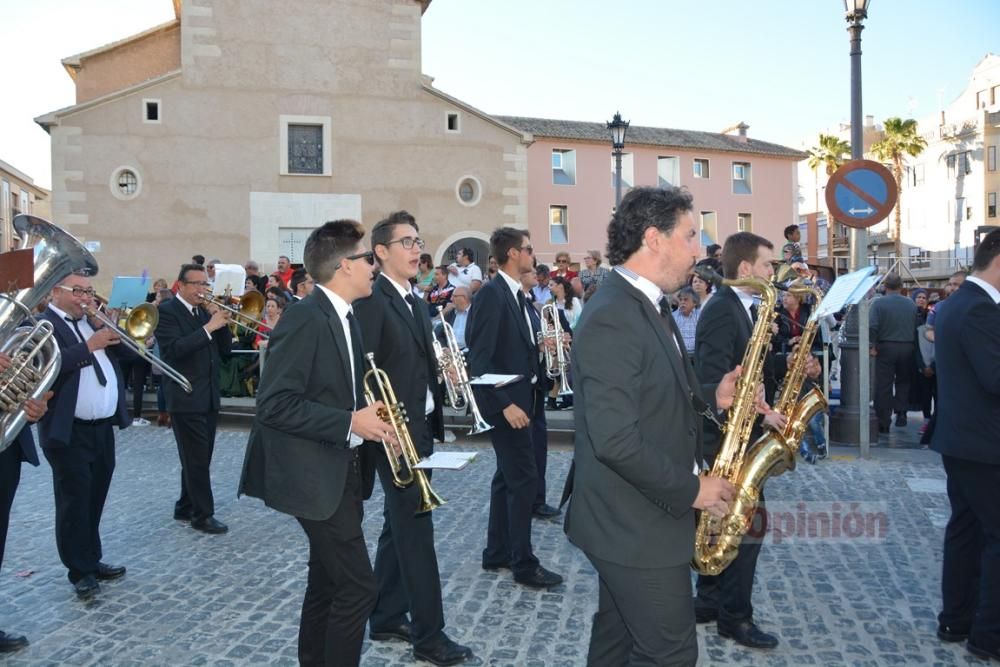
539,578
982,652
546,511
946,633
402,632
748,634
883,429
87,587
900,420
182,516
210,525
705,614
109,572
445,652
11,643
495,567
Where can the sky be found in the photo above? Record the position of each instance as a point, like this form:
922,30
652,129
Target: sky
780,66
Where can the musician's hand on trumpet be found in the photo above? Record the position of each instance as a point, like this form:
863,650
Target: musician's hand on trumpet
368,424
220,317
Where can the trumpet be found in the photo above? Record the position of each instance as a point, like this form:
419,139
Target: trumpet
140,323
451,363
394,414
556,362
251,305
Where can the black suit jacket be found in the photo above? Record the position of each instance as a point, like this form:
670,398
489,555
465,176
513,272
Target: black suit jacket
55,427
26,442
186,347
403,348
501,343
721,339
298,453
967,359
637,434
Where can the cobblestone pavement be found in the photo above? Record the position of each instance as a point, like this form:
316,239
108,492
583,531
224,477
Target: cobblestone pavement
194,599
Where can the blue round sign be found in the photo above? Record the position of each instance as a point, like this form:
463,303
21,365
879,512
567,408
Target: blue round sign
861,193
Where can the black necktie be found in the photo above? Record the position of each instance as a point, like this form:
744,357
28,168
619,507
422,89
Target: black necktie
359,359
413,304
753,313
93,360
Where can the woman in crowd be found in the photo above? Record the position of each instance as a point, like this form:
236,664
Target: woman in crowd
565,300
425,275
593,274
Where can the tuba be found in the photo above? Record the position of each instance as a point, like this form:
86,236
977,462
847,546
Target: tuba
394,414
32,348
717,540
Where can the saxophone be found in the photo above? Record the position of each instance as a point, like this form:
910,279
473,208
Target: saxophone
717,540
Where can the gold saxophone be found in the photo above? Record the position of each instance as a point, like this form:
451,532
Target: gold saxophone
717,541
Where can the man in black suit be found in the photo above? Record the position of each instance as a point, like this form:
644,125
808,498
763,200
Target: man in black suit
635,481
721,337
307,456
967,357
21,449
397,330
193,339
502,342
77,434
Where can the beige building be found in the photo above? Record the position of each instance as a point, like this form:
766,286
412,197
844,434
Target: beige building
18,194
238,127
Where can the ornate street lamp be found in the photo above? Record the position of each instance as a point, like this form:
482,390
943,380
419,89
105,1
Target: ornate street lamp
618,127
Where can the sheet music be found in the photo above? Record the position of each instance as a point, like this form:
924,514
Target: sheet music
846,290
446,461
496,379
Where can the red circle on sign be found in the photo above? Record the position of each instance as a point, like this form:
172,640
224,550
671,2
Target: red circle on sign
880,210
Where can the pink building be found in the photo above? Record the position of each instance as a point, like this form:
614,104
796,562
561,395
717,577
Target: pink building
738,183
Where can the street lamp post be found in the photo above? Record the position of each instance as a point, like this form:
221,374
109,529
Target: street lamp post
618,128
846,427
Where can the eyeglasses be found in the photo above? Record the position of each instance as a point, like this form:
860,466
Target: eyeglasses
408,241
79,291
562,261
199,283
528,249
367,256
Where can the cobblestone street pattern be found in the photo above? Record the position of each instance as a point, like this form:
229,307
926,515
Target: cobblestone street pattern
194,599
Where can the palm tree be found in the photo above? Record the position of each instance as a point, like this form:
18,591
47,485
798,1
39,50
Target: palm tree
831,153
900,139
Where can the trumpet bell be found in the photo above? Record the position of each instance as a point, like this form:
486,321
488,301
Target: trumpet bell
252,304
142,320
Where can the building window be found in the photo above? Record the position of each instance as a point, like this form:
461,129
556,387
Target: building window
919,258
744,222
5,203
126,183
822,237
918,174
803,235
991,158
951,166
668,171
563,167
710,226
701,167
453,122
150,111
741,178
994,94
628,170
469,191
981,99
991,205
964,164
25,204
304,146
558,227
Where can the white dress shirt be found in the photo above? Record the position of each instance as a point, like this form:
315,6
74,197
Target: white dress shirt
990,289
343,308
93,401
403,291
515,288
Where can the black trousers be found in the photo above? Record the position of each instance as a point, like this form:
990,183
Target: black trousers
340,591
10,477
644,616
730,592
195,436
894,367
406,567
512,494
540,443
140,371
81,476
970,575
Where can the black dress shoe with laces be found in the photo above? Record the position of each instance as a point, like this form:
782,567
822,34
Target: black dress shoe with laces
210,525
748,634
11,643
546,511
181,515
538,578
402,632
900,420
87,587
947,633
495,567
108,572
445,652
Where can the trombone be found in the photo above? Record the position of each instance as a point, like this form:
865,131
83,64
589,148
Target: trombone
140,323
394,414
556,362
251,305
451,364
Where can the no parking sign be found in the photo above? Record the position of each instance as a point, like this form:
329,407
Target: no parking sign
861,193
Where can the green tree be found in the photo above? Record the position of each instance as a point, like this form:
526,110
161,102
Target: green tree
900,139
830,153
